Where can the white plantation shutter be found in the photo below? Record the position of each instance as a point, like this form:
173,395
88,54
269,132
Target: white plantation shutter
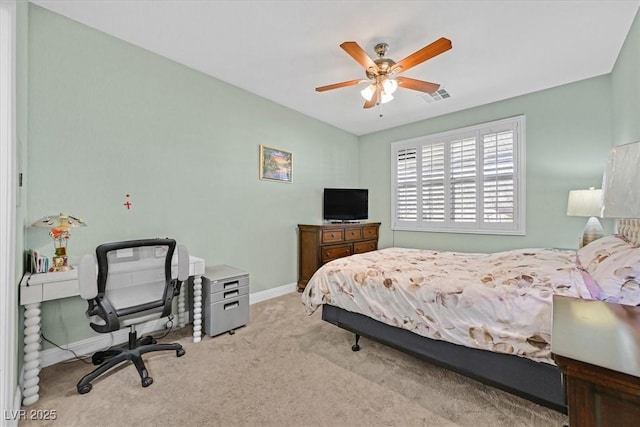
469,180
498,180
463,191
433,198
407,185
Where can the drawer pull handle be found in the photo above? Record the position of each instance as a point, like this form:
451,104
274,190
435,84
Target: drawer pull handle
231,305
231,294
230,285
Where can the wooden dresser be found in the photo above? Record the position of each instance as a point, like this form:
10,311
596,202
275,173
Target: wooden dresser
319,244
597,348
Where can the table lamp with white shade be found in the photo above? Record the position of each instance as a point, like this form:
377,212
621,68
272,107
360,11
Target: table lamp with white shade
59,226
587,203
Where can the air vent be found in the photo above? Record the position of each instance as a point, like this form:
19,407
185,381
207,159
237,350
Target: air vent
438,95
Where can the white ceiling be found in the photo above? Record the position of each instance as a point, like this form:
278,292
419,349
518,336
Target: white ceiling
282,50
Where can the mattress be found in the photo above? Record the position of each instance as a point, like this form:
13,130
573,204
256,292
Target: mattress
499,302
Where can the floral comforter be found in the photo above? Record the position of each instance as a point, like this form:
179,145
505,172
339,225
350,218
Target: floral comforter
499,302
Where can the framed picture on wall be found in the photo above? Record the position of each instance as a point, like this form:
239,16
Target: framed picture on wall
275,164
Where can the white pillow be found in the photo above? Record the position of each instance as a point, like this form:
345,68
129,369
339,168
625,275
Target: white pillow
591,255
618,277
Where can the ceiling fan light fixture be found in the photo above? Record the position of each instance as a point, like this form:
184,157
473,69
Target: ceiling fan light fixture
385,97
390,86
367,92
381,72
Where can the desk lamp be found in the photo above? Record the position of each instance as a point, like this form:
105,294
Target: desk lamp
587,203
59,226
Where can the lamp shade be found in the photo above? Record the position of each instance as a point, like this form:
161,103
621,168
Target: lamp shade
62,222
584,202
621,182
385,97
390,85
367,92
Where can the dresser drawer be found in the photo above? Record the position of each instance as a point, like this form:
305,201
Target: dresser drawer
63,289
370,232
332,236
227,284
226,315
362,247
226,295
333,252
353,234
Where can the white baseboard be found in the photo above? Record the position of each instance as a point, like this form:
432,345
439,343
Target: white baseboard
89,346
272,293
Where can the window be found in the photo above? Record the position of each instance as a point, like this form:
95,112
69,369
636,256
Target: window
469,180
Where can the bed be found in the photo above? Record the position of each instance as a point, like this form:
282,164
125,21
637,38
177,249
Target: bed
487,316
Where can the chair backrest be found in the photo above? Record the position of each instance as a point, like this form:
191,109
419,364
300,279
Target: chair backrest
134,282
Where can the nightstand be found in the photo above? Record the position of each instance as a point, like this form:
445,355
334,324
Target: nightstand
597,347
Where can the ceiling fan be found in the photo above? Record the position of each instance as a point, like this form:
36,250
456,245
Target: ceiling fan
381,73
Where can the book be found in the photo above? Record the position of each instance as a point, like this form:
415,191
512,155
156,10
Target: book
38,262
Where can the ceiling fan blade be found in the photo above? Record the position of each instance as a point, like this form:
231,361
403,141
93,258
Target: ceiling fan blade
356,52
372,101
339,85
422,86
436,48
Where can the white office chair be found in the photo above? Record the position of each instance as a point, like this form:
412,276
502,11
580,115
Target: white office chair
133,285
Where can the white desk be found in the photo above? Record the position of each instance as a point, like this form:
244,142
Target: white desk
36,288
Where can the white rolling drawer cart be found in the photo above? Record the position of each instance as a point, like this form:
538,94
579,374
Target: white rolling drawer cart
226,299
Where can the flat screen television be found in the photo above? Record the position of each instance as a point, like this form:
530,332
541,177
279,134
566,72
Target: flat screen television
345,204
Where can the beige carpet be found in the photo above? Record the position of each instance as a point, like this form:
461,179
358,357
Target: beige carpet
283,369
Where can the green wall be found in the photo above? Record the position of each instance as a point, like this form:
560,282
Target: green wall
625,89
107,119
568,136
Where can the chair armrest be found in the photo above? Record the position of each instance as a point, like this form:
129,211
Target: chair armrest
87,274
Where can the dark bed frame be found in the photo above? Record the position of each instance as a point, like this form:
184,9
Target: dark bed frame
538,382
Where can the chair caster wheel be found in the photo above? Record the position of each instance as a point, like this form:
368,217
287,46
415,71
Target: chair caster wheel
97,358
146,340
84,389
355,347
180,352
146,382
